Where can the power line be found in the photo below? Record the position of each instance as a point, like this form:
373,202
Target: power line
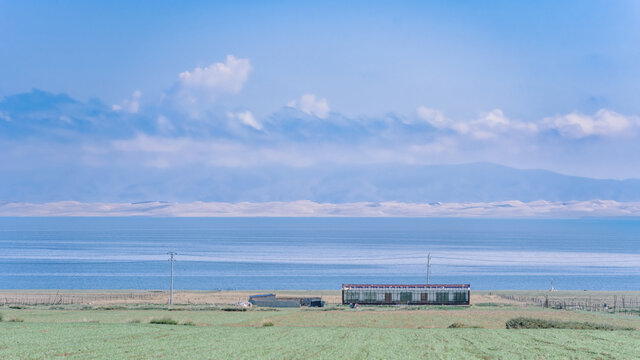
428,267
171,260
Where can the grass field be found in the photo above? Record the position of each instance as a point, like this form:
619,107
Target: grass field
116,324
121,341
369,333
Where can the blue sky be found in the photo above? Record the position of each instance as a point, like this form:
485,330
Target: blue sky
531,59
177,86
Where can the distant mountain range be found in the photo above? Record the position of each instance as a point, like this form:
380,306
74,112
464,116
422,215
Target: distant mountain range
56,148
477,182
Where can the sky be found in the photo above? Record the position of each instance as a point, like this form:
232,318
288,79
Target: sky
112,92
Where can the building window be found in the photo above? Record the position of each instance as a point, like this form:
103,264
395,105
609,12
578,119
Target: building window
351,296
460,296
370,296
406,296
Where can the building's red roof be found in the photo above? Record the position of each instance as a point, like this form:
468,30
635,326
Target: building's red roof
417,286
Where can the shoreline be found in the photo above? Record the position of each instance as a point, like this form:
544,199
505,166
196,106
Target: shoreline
332,297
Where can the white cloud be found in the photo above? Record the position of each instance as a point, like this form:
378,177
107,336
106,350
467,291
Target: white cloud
309,104
487,126
493,119
130,105
227,77
247,118
493,123
197,89
603,123
434,117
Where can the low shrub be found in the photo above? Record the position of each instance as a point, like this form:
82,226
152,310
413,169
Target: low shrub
15,320
457,325
111,307
164,321
189,323
531,323
326,308
134,321
0,317
149,307
266,324
234,309
441,307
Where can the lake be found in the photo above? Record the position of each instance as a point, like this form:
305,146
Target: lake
317,253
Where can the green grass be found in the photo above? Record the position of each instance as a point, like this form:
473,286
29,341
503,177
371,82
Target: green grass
369,333
215,317
529,323
164,321
398,317
92,341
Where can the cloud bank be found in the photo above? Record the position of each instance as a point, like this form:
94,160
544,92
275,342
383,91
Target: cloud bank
192,145
602,123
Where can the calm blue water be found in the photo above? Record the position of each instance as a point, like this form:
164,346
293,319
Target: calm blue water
317,253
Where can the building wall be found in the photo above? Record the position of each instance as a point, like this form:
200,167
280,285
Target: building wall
276,303
400,295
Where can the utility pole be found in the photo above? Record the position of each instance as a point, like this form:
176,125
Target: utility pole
428,267
171,260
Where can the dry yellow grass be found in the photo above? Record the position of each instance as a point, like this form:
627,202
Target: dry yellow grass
110,297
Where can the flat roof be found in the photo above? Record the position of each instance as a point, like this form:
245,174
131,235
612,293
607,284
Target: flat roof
414,286
263,295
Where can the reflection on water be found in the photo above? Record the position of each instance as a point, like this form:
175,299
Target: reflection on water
317,253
